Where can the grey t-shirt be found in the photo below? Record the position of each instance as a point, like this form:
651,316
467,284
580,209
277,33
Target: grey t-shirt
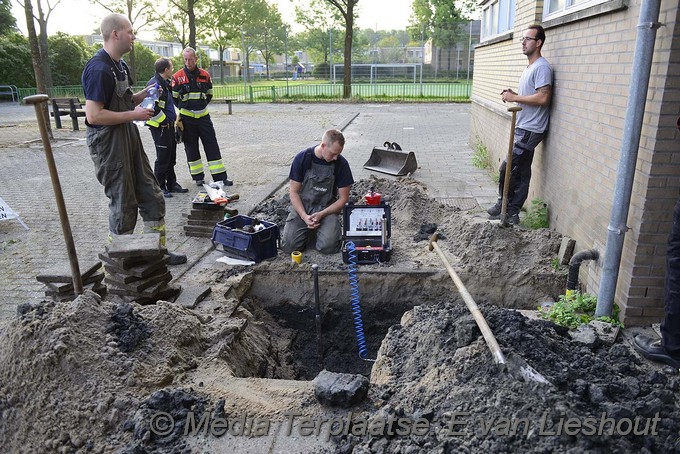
535,76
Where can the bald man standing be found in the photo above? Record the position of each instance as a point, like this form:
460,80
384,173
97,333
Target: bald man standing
120,162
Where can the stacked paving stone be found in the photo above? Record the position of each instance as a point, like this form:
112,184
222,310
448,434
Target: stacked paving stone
59,281
136,269
204,215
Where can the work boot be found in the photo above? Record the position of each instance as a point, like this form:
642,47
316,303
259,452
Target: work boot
199,183
513,219
175,187
166,193
176,259
652,349
496,209
227,182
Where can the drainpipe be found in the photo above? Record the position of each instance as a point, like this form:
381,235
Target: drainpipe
630,142
575,265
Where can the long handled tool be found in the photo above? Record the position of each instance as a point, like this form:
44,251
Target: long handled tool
37,100
319,341
508,167
470,303
516,364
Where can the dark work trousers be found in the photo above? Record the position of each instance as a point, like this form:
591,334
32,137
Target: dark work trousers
123,168
525,142
166,155
670,327
195,128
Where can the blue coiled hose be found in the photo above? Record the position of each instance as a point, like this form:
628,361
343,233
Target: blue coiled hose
356,304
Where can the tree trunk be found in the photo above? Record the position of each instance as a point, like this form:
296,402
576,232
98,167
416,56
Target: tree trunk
349,32
44,53
36,61
192,23
221,47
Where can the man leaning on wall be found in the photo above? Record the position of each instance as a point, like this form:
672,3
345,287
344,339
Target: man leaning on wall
535,93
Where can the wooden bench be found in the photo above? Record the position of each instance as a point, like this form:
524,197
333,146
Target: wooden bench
228,101
67,106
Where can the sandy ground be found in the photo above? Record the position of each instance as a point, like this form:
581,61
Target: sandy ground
93,376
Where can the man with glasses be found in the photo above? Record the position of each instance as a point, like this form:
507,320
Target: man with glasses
535,92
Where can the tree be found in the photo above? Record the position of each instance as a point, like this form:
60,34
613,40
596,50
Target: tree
36,62
146,59
8,24
346,8
67,58
318,19
182,12
440,20
270,33
138,13
223,28
15,55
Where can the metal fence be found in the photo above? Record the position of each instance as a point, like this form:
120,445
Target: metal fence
448,92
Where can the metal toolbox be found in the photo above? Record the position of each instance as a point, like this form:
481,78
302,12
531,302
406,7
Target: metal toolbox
369,227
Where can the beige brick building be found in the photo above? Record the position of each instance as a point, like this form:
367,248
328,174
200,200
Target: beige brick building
590,45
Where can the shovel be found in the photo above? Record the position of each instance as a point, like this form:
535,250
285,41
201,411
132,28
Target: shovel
37,100
508,167
514,364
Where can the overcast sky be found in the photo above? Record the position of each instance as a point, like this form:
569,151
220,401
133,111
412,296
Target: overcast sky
80,17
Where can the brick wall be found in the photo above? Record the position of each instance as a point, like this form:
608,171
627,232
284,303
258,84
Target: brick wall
575,169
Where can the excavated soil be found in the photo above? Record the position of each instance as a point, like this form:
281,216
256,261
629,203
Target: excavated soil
88,376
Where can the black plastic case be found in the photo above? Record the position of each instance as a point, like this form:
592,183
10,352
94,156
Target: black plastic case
362,224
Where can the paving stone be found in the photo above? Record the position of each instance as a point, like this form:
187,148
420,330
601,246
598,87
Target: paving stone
566,250
61,273
135,245
63,288
150,292
192,295
142,270
133,262
139,285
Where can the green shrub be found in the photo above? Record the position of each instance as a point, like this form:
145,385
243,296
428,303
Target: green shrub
480,156
537,215
577,309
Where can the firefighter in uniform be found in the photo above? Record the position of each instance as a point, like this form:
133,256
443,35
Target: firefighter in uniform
115,145
162,126
192,91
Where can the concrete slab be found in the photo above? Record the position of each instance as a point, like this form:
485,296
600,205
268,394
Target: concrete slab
135,245
192,295
60,273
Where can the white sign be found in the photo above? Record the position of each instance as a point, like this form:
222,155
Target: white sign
7,213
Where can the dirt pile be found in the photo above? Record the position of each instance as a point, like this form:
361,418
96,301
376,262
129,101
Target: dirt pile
435,366
506,267
74,375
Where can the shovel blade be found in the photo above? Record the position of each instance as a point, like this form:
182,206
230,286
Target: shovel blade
520,369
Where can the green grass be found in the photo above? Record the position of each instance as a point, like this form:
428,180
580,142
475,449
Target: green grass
480,156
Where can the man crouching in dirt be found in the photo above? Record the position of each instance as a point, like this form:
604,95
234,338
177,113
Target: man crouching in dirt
320,180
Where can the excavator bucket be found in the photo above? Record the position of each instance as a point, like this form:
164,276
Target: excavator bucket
391,160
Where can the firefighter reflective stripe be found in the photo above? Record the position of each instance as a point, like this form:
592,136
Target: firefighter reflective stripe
195,167
156,120
193,95
161,104
155,226
209,92
194,113
216,167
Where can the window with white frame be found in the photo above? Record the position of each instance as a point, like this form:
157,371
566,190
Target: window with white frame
498,17
557,8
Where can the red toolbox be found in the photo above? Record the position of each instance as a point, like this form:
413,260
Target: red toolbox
369,227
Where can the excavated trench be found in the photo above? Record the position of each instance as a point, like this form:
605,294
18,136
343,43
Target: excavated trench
285,303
